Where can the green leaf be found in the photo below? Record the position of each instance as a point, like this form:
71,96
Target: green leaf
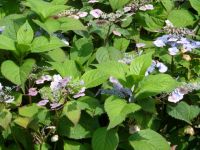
104,54
104,139
155,84
117,4
196,5
183,111
60,2
25,34
67,68
118,109
84,129
57,55
175,16
72,145
42,44
168,4
90,105
114,68
72,111
121,44
23,122
148,140
5,118
69,23
140,64
93,78
81,50
7,43
50,9
17,74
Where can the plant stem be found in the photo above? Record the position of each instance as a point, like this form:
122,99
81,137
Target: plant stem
107,35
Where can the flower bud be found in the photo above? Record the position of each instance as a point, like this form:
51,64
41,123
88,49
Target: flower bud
54,138
189,130
186,57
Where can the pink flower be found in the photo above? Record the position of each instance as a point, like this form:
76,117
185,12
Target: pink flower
80,93
139,45
32,92
82,14
42,102
127,9
96,13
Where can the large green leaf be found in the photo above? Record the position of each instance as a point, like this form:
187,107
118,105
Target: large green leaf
50,9
183,111
93,78
6,43
196,5
72,145
81,50
140,64
104,139
118,109
175,16
5,118
43,44
25,34
17,74
113,68
104,54
155,84
117,4
66,68
72,111
148,140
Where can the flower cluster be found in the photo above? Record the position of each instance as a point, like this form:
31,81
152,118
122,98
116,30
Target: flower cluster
179,92
176,42
162,68
118,90
60,89
5,94
74,13
127,59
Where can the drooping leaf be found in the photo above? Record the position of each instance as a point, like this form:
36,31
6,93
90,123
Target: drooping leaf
196,5
155,84
183,111
148,140
118,109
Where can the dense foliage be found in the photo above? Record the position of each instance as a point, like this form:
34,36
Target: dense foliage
100,74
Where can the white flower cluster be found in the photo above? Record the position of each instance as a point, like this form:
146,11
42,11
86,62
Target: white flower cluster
179,92
74,13
177,42
5,96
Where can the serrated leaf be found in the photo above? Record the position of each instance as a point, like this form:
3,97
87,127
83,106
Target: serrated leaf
93,78
183,111
104,139
155,84
121,44
175,16
104,54
140,64
148,140
118,109
7,43
42,44
25,34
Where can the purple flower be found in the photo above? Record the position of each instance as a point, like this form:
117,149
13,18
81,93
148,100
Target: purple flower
96,13
82,14
159,43
146,7
80,93
116,33
42,102
139,45
175,96
127,9
32,92
55,105
173,51
161,67
39,81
